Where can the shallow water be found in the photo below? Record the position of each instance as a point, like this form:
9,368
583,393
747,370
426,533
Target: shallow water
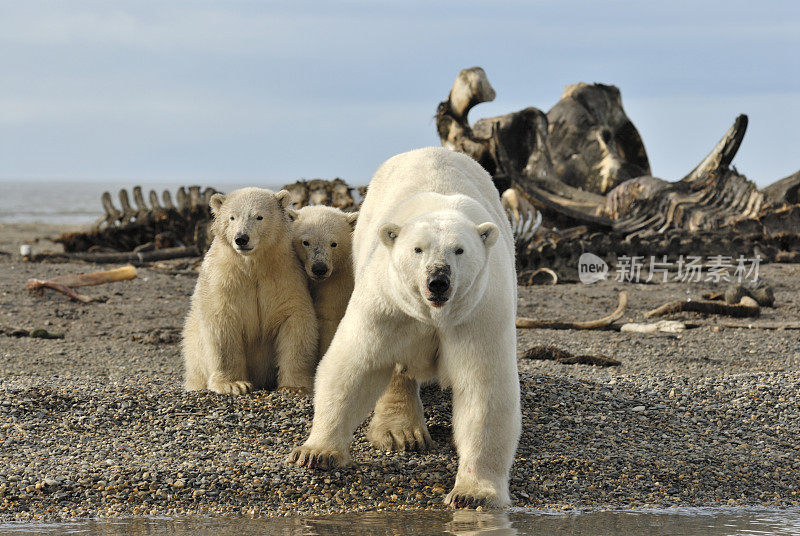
679,521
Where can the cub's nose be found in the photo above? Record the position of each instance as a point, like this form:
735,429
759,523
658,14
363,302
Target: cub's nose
319,269
241,239
438,283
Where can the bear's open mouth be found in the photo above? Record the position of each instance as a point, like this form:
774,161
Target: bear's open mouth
243,250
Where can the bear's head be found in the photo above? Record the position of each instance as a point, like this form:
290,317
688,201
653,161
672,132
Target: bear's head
438,262
251,219
322,238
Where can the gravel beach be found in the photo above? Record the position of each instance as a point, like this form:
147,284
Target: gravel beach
96,424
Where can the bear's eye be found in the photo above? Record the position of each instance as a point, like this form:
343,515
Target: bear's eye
305,242
334,244
231,218
459,251
259,218
417,250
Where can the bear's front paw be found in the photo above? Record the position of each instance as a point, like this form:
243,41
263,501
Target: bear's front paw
230,387
472,497
318,458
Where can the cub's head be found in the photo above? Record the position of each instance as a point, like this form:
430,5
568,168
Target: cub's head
322,238
436,261
250,219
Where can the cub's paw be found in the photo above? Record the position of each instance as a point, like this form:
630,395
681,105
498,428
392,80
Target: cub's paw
230,387
472,497
400,433
318,458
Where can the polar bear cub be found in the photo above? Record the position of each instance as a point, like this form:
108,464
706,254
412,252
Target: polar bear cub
251,310
323,242
435,296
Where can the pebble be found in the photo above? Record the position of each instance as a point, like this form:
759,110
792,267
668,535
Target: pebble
104,430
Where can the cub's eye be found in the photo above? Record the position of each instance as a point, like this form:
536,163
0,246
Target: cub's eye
417,250
231,218
459,251
334,244
305,242
259,218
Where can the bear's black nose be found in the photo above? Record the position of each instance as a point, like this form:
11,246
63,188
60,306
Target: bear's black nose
319,268
438,283
241,239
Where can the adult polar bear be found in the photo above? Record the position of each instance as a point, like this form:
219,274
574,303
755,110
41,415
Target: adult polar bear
435,294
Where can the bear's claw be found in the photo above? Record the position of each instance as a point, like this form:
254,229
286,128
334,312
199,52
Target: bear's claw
317,458
231,387
461,501
400,432
466,499
403,440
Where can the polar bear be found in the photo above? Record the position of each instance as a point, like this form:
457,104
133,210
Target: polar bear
251,310
435,295
322,239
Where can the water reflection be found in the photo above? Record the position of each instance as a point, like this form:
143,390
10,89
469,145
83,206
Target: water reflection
694,521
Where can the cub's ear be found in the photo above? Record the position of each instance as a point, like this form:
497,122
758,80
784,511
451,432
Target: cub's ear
488,233
216,203
352,218
292,214
284,198
388,233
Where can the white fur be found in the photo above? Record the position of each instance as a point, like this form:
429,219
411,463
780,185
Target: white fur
324,235
251,310
439,201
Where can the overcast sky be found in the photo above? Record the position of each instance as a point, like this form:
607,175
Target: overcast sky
263,93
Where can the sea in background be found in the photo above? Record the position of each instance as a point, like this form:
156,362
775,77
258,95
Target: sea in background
75,202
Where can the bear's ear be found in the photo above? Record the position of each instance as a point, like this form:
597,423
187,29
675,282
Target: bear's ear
352,218
488,233
284,198
216,203
388,233
292,214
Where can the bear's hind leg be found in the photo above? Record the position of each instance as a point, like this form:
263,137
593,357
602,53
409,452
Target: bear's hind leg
399,419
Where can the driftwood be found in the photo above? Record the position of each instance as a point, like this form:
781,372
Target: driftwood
739,310
135,258
777,326
543,276
553,353
525,322
662,326
64,283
